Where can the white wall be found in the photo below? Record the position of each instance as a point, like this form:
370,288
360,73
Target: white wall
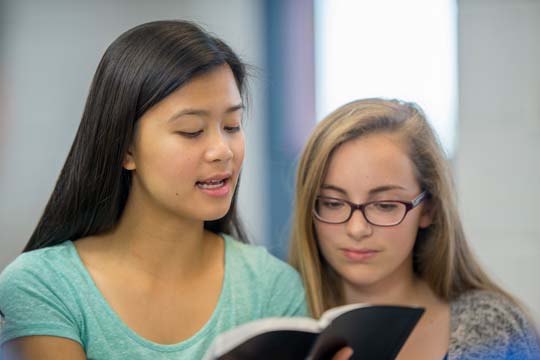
51,50
498,152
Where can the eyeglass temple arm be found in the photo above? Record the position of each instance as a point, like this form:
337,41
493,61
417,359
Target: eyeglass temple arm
419,198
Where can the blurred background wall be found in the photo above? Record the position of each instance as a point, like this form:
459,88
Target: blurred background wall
49,51
498,141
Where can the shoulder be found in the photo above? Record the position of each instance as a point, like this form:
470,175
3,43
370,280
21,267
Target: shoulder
256,259
37,265
487,322
489,309
258,274
37,294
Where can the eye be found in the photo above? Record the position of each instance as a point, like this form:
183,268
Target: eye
386,206
331,204
232,129
190,134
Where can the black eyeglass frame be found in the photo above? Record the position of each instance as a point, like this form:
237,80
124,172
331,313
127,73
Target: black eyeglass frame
409,205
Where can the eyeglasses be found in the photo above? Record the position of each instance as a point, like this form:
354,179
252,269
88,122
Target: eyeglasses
379,213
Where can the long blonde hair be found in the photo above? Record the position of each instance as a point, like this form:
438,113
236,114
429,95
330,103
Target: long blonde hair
441,255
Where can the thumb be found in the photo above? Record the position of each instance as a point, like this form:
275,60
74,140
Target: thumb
343,354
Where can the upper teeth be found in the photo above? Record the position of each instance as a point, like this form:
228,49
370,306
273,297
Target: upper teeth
211,183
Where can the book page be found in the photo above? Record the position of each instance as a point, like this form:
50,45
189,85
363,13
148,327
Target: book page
331,314
236,336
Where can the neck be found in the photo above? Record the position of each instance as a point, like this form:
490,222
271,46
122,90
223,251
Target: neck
399,288
160,245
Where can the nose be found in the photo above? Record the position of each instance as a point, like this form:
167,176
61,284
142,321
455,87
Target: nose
218,148
357,226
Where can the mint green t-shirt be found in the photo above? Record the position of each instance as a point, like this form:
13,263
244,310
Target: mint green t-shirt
50,292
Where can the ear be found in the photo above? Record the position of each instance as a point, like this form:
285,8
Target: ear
428,213
129,160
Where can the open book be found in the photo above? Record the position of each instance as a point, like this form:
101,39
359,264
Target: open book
373,331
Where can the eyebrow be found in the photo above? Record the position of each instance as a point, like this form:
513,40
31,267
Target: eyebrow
203,113
374,191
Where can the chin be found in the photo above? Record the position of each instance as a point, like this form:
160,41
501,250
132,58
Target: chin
360,278
213,218
214,215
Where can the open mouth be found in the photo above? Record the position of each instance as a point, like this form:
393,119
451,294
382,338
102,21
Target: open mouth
218,185
211,184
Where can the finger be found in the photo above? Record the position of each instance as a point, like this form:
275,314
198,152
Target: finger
343,354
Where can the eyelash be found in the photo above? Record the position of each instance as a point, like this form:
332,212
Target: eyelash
190,135
193,135
232,129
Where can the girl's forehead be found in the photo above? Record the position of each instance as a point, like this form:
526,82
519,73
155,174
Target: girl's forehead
371,161
212,92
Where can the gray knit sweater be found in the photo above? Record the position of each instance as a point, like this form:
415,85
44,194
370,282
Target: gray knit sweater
486,325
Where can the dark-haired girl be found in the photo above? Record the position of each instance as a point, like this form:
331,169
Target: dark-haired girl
134,256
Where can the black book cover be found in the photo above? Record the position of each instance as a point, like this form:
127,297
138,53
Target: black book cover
374,332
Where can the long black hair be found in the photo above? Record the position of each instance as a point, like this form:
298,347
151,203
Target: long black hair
139,69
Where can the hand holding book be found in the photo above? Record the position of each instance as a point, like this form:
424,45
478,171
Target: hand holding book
343,354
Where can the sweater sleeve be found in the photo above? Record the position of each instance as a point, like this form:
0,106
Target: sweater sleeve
486,325
35,301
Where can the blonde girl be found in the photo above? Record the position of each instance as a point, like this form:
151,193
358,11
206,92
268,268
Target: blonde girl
376,221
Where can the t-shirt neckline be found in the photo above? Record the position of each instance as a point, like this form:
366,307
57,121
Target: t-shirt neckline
201,334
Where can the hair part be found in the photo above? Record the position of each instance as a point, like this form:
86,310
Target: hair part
139,69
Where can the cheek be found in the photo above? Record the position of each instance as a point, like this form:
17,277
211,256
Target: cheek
402,238
238,148
325,235
169,161
411,224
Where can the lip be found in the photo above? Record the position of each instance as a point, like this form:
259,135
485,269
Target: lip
220,176
220,191
359,254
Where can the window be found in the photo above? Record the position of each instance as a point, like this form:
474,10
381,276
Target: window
389,48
